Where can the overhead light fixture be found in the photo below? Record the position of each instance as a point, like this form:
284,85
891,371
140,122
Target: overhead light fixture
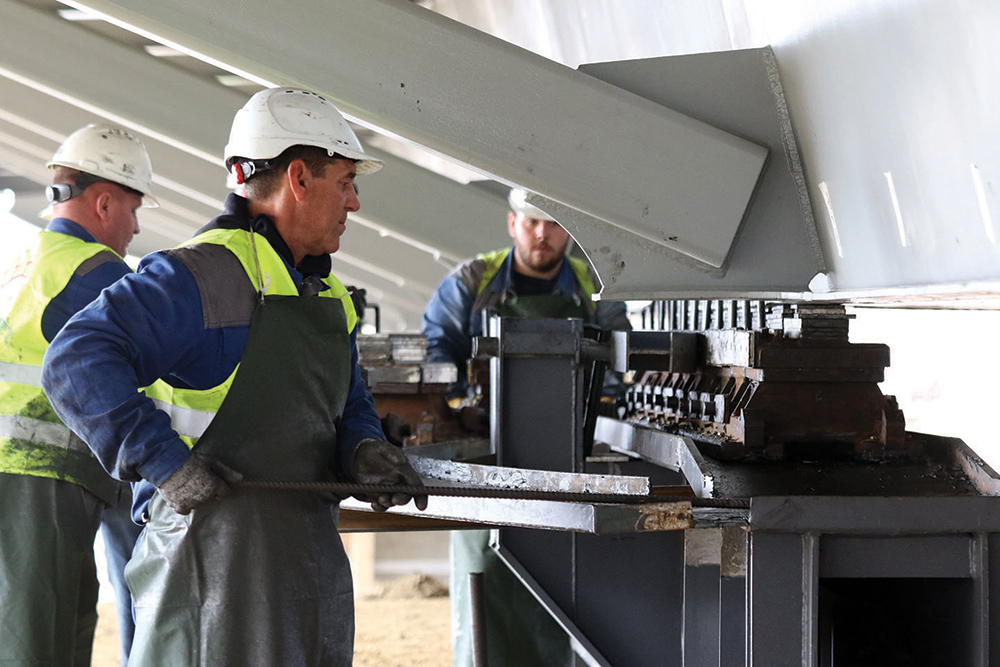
7,198
234,81
161,51
77,15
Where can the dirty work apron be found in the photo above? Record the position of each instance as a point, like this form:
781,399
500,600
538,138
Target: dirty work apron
518,629
555,306
259,578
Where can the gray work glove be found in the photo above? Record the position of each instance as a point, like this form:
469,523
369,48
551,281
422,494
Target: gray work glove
381,462
201,479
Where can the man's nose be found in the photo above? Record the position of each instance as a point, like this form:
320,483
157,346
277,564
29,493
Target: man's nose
353,203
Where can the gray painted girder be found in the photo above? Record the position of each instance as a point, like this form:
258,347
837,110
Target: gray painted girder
653,172
873,88
778,248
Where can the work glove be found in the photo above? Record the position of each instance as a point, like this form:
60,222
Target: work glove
381,462
201,479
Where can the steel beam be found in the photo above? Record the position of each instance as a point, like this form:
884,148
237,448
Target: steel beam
358,521
644,168
468,474
675,452
778,247
550,515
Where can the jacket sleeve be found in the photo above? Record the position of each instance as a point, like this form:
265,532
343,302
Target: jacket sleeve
360,419
613,316
130,336
446,323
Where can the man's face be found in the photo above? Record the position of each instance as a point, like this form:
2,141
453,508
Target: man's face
539,245
330,202
121,221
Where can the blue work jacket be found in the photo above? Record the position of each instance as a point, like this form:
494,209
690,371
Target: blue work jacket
149,326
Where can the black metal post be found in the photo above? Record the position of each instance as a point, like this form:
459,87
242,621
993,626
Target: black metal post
478,604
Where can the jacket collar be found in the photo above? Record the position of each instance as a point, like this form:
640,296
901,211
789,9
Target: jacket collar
70,228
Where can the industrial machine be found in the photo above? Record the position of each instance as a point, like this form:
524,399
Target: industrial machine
786,515
747,167
814,530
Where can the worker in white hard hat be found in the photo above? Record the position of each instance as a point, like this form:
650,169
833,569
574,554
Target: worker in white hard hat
537,277
534,278
53,491
246,344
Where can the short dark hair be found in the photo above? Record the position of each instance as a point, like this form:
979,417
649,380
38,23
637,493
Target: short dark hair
263,183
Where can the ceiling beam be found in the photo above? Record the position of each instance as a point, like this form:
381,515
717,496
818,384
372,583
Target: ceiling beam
668,178
193,114
115,81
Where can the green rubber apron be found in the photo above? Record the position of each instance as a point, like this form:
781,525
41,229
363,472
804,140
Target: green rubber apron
259,578
554,306
518,629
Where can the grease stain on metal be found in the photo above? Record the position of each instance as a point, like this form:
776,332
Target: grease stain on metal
660,517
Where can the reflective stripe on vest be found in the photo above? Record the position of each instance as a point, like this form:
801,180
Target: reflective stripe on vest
38,431
21,374
192,410
188,422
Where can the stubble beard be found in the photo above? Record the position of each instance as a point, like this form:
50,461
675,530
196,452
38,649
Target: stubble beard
544,266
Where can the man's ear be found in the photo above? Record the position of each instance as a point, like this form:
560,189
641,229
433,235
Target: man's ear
297,175
511,219
102,205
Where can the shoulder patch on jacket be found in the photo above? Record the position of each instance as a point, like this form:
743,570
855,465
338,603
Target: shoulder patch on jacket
91,263
470,273
228,298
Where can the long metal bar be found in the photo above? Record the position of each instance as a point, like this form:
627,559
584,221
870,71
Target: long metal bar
468,474
350,488
676,181
596,519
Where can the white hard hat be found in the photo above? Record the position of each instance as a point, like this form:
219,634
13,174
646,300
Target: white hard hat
110,153
519,204
278,118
